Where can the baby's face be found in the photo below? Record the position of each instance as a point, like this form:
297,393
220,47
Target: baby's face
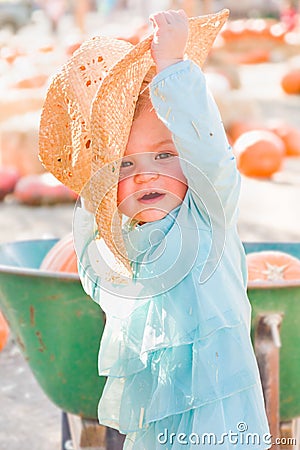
151,181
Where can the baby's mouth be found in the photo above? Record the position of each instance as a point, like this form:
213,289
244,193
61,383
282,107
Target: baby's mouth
151,197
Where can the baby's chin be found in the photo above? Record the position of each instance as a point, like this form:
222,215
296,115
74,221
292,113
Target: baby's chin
151,215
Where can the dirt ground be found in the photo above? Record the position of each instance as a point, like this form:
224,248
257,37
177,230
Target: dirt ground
269,211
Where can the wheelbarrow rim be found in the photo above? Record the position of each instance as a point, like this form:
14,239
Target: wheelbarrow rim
280,284
37,273
33,271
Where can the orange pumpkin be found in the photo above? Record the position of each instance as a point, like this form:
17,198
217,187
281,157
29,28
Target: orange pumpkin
61,257
259,153
253,56
234,31
35,81
292,38
46,48
259,27
238,127
9,54
277,32
290,137
227,34
4,331
290,82
42,189
272,265
253,30
8,180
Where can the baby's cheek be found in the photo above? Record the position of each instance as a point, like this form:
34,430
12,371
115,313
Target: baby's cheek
181,191
176,186
125,191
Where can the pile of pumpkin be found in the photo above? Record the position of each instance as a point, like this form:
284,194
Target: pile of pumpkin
290,81
252,41
34,190
24,76
260,150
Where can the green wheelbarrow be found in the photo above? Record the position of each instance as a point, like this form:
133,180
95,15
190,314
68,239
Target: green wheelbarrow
58,330
58,327
281,299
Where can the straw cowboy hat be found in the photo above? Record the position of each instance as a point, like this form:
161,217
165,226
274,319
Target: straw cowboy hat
88,113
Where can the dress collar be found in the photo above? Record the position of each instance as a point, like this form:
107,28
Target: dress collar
139,239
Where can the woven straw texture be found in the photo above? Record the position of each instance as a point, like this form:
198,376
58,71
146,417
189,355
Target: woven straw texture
88,114
65,137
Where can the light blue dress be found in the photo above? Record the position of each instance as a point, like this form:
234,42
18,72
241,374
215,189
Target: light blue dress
176,346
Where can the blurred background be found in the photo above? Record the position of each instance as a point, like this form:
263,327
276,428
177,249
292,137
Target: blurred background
253,71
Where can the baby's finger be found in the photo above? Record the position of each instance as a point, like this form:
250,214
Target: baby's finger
179,17
170,17
176,15
158,19
182,13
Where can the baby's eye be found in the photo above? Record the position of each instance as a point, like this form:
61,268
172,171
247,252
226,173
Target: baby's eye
126,164
164,155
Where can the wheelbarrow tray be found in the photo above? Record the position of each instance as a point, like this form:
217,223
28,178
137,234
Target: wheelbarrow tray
58,327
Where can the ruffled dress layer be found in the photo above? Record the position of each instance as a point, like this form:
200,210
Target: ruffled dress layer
177,354
181,361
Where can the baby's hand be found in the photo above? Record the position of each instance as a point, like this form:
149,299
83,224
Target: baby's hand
170,37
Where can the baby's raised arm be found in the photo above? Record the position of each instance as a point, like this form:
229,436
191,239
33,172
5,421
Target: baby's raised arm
184,104
170,38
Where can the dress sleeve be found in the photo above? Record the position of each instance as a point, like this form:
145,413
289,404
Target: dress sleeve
184,104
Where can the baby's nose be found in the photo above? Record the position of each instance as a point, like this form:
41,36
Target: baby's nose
145,177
